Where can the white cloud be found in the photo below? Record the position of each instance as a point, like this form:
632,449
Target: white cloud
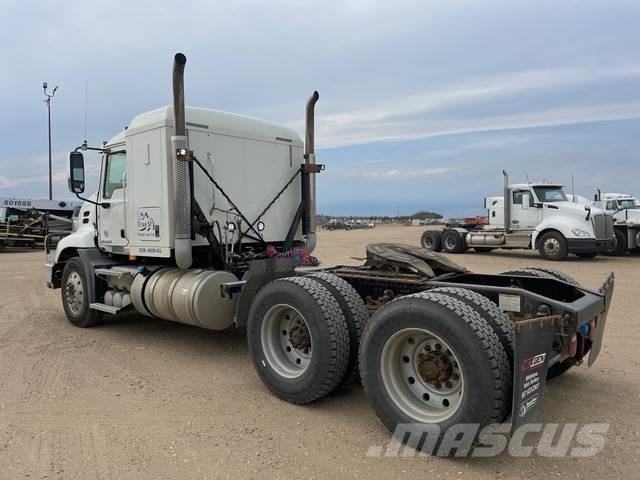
427,114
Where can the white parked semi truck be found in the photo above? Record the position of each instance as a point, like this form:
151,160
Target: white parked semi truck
536,216
207,218
625,210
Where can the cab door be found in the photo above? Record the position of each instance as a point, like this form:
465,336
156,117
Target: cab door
524,214
111,220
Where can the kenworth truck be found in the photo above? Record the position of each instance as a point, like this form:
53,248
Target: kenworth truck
207,218
625,210
536,216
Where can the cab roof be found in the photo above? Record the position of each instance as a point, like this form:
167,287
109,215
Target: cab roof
214,121
535,184
617,196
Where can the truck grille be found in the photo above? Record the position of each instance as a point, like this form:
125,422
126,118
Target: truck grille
602,226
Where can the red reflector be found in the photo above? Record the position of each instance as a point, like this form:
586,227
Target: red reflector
573,346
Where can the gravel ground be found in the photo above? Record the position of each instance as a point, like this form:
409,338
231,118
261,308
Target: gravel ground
145,398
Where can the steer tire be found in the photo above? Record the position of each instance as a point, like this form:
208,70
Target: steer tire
453,242
74,289
283,371
553,246
431,240
621,246
470,343
355,312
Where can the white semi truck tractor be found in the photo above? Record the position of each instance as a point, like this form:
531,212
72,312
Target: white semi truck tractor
625,210
537,216
207,218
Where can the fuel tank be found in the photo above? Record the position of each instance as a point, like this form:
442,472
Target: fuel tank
192,296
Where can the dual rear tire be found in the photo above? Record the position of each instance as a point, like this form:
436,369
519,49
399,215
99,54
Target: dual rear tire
436,358
303,335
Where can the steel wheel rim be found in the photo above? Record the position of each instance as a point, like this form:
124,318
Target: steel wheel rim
451,243
405,381
551,246
286,341
428,241
74,293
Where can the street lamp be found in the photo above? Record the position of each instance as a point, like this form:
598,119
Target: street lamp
48,102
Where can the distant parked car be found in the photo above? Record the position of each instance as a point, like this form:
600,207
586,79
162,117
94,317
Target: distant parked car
337,225
360,225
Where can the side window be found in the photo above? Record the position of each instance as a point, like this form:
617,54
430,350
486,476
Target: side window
518,196
114,176
611,205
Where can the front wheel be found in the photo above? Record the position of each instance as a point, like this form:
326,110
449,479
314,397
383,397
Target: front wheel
553,246
620,246
75,295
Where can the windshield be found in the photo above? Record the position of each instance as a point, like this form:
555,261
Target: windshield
550,194
627,204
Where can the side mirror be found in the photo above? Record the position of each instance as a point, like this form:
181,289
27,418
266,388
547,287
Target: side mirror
76,172
525,200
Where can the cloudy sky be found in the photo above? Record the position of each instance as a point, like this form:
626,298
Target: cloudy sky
422,103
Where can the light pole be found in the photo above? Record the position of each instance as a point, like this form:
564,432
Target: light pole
48,102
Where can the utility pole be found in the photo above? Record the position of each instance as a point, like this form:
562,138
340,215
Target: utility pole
48,102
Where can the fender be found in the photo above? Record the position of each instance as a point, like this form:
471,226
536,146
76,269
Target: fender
562,224
85,237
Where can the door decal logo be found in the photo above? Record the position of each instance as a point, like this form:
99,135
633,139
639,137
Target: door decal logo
147,226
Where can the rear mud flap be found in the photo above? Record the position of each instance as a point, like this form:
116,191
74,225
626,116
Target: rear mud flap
533,350
607,291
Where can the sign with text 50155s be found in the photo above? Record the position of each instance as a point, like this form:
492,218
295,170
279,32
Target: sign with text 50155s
148,224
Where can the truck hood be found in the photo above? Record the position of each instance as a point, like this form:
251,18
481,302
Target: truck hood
575,209
629,216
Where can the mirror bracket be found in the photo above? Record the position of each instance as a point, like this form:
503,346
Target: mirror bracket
99,204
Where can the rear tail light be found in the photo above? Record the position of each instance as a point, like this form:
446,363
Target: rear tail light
573,346
592,330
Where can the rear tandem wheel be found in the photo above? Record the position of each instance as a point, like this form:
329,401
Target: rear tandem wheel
429,358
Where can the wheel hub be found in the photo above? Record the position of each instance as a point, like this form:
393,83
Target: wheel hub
286,340
299,336
74,293
421,375
434,367
552,246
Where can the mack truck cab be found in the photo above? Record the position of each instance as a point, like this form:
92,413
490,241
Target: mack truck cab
536,216
625,210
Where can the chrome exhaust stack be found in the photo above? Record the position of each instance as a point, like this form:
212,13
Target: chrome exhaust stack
181,192
507,203
308,177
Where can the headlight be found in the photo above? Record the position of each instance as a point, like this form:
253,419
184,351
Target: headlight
580,233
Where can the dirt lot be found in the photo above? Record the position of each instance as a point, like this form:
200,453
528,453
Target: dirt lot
144,398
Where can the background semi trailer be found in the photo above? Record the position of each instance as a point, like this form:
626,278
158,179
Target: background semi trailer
206,218
536,216
26,222
625,210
